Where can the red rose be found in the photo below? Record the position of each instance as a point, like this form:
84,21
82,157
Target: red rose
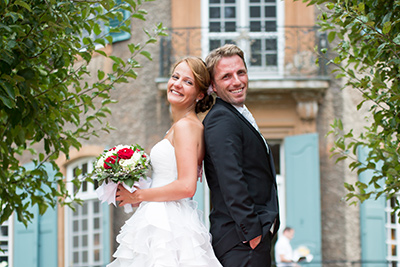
125,153
110,160
112,148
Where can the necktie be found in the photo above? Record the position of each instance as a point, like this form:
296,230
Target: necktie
247,114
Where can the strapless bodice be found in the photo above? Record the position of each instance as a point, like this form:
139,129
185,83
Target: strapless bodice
163,161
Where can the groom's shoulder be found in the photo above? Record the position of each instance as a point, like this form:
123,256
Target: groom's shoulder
221,105
220,112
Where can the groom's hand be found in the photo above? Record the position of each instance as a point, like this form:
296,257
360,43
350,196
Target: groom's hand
255,241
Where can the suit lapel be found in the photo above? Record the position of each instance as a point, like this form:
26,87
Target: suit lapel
245,121
219,101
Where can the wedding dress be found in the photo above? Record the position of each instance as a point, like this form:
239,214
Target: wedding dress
164,233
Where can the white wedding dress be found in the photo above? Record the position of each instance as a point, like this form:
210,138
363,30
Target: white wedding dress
164,233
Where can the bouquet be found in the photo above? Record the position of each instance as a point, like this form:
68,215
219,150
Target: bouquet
121,164
302,253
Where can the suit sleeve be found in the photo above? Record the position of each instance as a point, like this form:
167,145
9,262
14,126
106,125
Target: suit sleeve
224,138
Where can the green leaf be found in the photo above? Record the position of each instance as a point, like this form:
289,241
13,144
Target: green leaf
386,27
100,41
331,36
8,88
340,124
138,16
100,74
23,4
396,40
146,54
97,29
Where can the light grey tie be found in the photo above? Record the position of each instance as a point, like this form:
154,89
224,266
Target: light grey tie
247,114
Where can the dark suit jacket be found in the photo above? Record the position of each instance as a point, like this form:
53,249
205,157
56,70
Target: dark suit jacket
241,176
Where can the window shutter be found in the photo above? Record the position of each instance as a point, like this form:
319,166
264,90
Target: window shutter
119,36
26,242
372,223
48,238
106,233
36,245
199,195
303,208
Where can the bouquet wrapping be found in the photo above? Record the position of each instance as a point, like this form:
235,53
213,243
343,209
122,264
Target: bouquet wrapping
122,164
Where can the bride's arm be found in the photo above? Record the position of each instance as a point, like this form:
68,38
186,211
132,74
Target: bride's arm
187,141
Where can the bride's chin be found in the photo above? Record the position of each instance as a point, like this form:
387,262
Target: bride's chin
174,99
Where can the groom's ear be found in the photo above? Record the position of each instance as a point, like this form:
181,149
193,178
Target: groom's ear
213,86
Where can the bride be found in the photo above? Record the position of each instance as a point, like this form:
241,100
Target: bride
166,229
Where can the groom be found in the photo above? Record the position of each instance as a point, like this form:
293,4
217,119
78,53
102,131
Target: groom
239,168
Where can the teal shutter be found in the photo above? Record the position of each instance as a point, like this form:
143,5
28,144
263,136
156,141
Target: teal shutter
106,233
122,35
36,245
303,208
26,242
199,196
372,223
48,238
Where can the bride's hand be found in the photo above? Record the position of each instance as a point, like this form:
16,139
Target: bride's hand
123,196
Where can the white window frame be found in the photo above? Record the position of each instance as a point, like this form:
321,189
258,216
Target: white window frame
9,239
392,233
281,185
89,197
242,38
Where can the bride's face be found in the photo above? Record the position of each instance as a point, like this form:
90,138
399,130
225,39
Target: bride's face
182,89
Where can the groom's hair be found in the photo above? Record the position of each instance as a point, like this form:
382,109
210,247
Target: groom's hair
217,54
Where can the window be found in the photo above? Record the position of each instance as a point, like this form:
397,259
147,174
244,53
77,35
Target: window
393,232
5,245
84,227
116,35
122,35
253,25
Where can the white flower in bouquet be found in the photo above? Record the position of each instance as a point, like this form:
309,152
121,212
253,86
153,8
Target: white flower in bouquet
130,164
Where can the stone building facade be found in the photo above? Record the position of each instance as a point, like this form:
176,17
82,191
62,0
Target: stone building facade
293,101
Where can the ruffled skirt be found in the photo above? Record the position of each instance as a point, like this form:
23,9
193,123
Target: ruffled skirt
165,234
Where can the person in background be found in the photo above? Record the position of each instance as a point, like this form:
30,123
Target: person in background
283,249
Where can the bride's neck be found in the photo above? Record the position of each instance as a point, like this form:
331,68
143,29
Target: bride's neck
179,114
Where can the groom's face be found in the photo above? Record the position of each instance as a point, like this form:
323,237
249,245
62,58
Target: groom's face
230,80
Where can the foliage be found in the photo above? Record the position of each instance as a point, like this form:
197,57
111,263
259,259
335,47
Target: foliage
368,59
47,104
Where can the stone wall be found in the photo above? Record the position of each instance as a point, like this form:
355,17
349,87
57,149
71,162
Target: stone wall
340,220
